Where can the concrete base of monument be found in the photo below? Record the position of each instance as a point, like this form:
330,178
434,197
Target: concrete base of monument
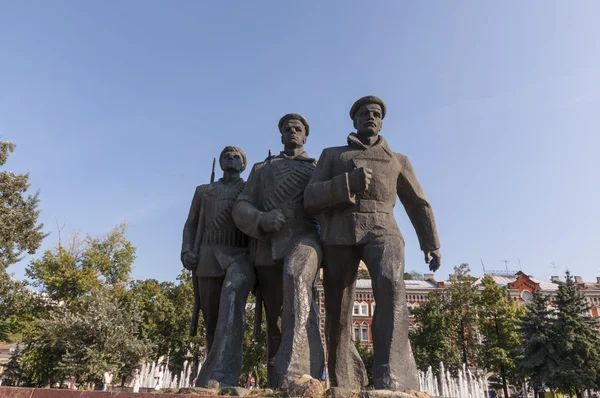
21,392
337,392
301,388
394,394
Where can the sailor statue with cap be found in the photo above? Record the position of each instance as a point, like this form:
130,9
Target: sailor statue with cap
286,252
354,189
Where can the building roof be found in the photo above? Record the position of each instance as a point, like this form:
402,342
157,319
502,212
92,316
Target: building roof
504,281
501,280
363,283
544,285
410,284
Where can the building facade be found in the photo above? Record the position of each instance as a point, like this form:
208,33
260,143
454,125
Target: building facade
521,288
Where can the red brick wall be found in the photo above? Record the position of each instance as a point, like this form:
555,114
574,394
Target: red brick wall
12,392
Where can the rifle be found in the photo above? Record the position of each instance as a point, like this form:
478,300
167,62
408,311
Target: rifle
257,315
196,250
259,304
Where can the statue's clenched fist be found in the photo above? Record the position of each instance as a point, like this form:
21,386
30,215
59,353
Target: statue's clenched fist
190,261
272,221
359,179
434,259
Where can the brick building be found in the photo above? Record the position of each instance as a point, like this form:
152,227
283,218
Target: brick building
521,288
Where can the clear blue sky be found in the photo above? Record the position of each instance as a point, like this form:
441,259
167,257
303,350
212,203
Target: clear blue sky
117,109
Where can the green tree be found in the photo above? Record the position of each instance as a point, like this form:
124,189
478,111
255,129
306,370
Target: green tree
434,337
158,312
498,319
69,274
537,354
182,297
14,371
413,276
363,274
14,298
166,310
254,351
367,357
19,229
463,300
85,340
575,335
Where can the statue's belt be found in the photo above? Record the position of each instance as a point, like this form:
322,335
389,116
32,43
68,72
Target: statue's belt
225,238
371,206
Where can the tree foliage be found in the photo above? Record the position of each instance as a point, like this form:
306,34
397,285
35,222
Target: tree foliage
366,355
537,353
13,372
166,310
434,337
69,274
20,231
498,319
575,337
363,274
413,276
254,352
11,299
463,312
85,340
447,325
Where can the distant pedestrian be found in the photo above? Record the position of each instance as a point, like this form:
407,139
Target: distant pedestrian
250,382
136,381
107,380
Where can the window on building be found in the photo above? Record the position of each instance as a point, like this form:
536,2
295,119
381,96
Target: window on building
373,308
526,295
356,333
356,308
364,309
364,333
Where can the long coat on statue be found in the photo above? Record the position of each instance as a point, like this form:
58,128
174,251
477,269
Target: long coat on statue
361,226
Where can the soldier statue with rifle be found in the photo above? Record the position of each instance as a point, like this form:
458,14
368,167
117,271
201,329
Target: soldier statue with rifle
216,251
286,252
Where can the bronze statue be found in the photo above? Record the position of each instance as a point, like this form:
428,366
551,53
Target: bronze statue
354,190
286,252
217,251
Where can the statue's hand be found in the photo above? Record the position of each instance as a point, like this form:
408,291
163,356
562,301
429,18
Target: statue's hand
359,179
272,221
434,259
190,260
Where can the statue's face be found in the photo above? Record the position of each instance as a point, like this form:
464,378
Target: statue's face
231,161
368,120
293,134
